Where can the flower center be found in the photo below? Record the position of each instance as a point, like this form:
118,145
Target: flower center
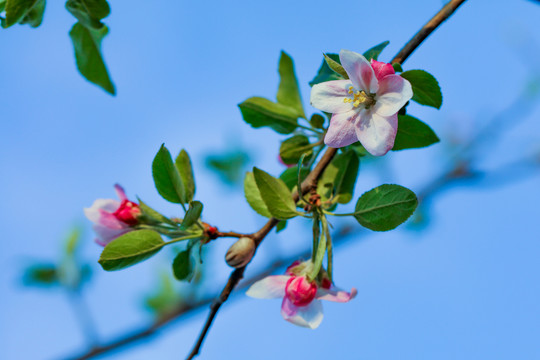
360,97
300,290
128,212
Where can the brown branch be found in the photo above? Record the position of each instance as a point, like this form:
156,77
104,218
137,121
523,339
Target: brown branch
314,175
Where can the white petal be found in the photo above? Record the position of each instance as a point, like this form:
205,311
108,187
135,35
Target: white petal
328,96
309,316
376,133
336,294
271,287
341,131
394,92
93,213
359,70
106,235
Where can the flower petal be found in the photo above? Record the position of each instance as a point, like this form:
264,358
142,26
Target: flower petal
376,133
110,221
341,131
93,213
382,69
106,235
271,287
336,294
328,96
394,92
120,192
309,316
359,70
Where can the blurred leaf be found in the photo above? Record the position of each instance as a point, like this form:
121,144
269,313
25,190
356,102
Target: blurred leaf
317,121
192,215
87,45
72,241
425,87
413,133
130,249
89,12
293,148
40,275
290,177
253,196
2,5
336,66
165,299
185,169
325,73
167,178
153,215
288,92
16,10
385,207
229,166
259,112
34,17
281,225
375,51
339,178
184,266
275,194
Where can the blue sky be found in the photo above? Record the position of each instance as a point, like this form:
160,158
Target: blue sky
465,287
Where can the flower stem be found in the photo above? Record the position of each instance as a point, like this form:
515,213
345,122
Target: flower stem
182,238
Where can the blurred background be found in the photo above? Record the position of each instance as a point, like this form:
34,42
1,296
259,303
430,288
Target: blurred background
458,281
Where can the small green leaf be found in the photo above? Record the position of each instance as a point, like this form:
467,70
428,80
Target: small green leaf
425,88
87,45
229,166
153,215
290,176
165,299
288,92
34,17
397,67
385,207
130,249
281,225
293,148
336,66
185,169
317,121
192,215
89,12
259,112
16,10
375,51
276,195
339,178
253,196
413,133
41,275
72,241
167,178
184,266
325,73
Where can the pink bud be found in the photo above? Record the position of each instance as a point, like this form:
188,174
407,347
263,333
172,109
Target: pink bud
300,291
128,212
382,69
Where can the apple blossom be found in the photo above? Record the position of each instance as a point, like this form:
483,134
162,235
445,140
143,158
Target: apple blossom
113,218
301,297
364,107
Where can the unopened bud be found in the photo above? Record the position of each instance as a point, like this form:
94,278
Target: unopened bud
240,253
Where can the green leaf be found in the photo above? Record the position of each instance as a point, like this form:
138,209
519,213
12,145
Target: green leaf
336,66
259,112
253,196
72,241
229,166
413,133
385,207
290,176
317,121
397,67
153,215
281,225
288,92
16,10
375,51
167,178
89,12
130,249
275,194
87,45
184,266
41,275
339,178
325,73
34,17
425,88
165,299
293,148
192,215
185,169
2,5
